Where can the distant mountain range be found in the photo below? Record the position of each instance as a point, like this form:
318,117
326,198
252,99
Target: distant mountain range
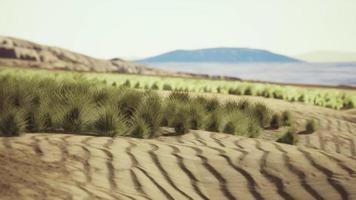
328,56
220,55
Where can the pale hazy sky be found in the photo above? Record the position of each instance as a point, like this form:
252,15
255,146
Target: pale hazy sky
139,28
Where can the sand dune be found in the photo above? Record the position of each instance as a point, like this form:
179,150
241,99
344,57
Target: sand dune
199,165
337,129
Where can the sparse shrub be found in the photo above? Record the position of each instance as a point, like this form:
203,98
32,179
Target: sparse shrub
231,106
248,91
206,89
214,121
78,114
219,89
180,96
262,114
140,129
288,137
287,118
212,104
230,128
239,123
196,115
276,121
311,126
244,104
155,86
12,122
137,85
33,123
127,84
167,87
101,96
169,111
128,102
254,129
74,120
236,91
181,121
110,122
348,103
150,111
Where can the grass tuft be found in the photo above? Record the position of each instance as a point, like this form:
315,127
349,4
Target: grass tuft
288,137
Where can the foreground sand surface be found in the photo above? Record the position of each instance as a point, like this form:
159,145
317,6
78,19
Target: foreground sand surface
199,165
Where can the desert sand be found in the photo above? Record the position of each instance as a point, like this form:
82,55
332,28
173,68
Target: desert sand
198,165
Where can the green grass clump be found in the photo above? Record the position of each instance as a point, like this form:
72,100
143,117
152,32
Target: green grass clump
127,84
155,86
140,129
181,121
150,111
128,101
180,96
212,105
244,104
276,121
196,115
12,122
214,121
76,119
167,87
110,123
288,137
311,126
287,118
262,113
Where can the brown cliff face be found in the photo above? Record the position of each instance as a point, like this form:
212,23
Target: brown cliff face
22,53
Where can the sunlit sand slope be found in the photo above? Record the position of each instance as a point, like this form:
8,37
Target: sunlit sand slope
336,132
199,165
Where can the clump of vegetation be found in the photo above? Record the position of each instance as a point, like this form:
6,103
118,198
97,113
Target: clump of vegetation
155,86
311,126
110,122
287,118
140,129
289,136
212,104
214,121
167,87
181,121
128,101
276,121
180,96
89,107
262,113
331,98
127,83
196,115
150,112
12,122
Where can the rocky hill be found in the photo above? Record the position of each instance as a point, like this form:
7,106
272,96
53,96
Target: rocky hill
22,53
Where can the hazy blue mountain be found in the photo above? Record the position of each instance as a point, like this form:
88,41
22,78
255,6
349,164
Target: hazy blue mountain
220,55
